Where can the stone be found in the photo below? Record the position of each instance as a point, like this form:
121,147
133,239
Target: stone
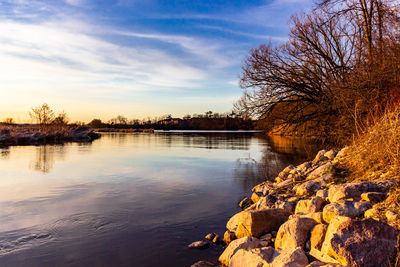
255,197
318,235
322,193
330,232
371,213
309,205
274,233
345,208
210,236
216,239
257,257
363,243
322,170
340,155
318,255
245,243
266,202
285,172
256,222
355,189
286,183
312,186
266,237
321,264
289,206
392,217
229,237
320,156
294,233
245,203
199,244
304,166
373,197
331,154
203,264
316,216
292,257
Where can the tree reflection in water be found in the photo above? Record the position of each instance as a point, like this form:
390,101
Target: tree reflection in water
45,156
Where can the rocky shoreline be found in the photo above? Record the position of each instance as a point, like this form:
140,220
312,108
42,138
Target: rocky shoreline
36,135
310,216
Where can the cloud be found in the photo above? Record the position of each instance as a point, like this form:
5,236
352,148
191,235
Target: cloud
75,2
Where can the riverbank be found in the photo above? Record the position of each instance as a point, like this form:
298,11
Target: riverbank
315,214
35,134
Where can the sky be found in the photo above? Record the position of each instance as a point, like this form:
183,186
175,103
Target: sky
137,58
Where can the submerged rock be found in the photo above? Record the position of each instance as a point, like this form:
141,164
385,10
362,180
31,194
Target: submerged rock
199,244
203,264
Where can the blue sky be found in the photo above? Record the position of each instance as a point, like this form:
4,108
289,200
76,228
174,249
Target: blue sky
101,58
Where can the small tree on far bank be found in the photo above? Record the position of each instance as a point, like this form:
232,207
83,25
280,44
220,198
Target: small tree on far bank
61,119
42,114
8,121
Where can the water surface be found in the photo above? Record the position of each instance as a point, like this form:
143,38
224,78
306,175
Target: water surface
129,199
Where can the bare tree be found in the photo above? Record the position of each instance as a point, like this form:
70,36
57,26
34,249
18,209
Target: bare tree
42,114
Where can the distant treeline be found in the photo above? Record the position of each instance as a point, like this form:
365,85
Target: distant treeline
209,121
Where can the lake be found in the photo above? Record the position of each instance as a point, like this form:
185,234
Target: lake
130,199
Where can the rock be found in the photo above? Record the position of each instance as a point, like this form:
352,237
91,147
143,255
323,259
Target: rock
312,186
355,189
199,244
316,216
266,202
340,155
320,156
216,239
330,232
345,208
274,233
321,264
294,233
363,243
318,235
257,257
331,154
393,218
229,237
371,213
245,243
315,253
203,264
284,184
289,206
245,203
373,197
292,257
210,236
309,205
256,223
255,197
304,166
322,193
284,174
322,170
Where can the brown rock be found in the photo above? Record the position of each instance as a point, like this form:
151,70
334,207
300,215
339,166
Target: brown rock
256,222
320,156
199,245
318,236
355,189
255,197
363,243
257,257
373,197
266,202
245,243
345,208
316,216
210,236
322,193
371,213
216,239
229,237
294,233
292,257
245,203
309,205
289,206
322,170
312,186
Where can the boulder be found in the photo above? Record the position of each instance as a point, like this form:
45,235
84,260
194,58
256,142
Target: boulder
284,184
312,186
203,264
340,155
316,216
330,232
318,235
266,202
245,203
255,197
285,172
355,189
393,218
256,222
257,257
199,244
309,205
322,193
305,166
320,156
289,206
373,197
229,237
294,233
245,243
371,213
322,170
292,257
331,154
345,208
363,243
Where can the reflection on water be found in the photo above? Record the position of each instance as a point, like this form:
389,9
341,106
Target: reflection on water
129,199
